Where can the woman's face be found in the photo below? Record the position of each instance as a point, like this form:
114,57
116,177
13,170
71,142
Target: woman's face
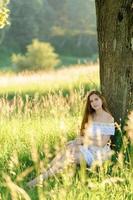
96,102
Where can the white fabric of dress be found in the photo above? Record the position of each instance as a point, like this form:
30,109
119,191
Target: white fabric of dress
93,153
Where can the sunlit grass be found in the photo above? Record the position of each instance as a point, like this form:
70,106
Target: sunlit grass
32,131
65,79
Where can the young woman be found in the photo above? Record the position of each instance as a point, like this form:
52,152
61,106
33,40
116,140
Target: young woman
93,143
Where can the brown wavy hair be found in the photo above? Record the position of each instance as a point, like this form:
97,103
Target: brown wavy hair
89,111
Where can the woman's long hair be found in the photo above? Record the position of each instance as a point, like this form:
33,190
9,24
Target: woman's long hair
89,111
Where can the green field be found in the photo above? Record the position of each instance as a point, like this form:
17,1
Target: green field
65,80
39,114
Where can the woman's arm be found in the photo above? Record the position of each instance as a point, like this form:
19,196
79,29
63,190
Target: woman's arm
76,141
79,140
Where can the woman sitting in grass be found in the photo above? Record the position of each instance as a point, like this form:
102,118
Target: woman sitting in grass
93,143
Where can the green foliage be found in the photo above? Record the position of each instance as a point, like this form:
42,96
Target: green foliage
69,61
77,44
4,13
39,56
69,25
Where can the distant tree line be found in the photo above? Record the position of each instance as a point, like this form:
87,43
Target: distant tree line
69,25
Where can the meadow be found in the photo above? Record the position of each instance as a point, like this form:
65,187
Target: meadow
39,114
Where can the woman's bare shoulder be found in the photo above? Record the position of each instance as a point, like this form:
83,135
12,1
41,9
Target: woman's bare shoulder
109,118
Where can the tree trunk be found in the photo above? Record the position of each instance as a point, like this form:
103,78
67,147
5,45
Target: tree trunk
115,42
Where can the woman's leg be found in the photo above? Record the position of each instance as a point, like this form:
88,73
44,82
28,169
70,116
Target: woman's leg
71,155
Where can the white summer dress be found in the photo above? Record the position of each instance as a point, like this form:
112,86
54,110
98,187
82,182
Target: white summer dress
95,153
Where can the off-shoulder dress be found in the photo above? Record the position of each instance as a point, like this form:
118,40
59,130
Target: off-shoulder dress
95,153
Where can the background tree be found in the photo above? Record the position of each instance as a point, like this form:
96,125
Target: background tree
39,56
23,17
115,40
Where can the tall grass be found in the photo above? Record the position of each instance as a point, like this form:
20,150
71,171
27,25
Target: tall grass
43,82
33,130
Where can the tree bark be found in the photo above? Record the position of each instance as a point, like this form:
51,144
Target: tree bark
115,42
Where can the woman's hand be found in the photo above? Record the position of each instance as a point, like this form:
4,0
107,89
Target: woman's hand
77,141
